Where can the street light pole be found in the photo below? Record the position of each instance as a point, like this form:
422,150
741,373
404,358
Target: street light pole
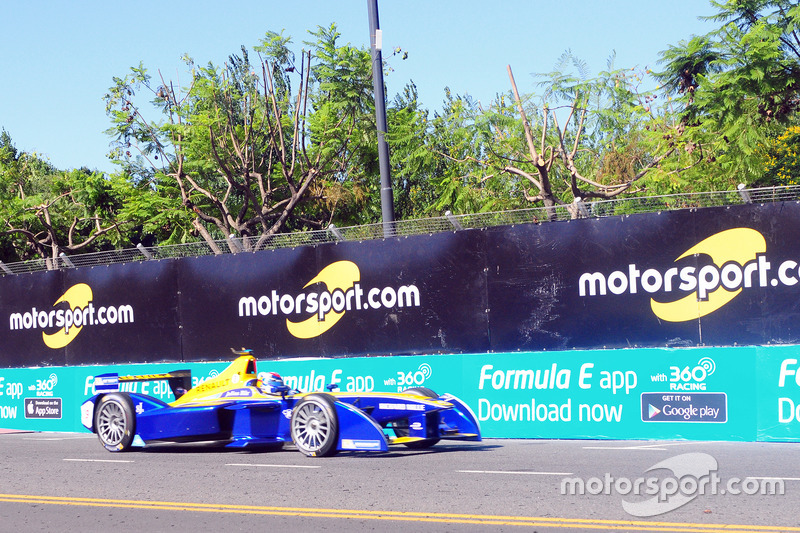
387,197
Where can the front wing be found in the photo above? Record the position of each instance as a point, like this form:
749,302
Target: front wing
364,429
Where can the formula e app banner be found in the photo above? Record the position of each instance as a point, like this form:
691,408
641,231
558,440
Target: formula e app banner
699,393
778,386
682,278
397,296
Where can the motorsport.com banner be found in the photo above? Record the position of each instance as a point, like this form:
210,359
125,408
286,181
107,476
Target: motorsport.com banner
715,276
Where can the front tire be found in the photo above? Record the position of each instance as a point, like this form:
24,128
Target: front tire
315,425
422,391
115,422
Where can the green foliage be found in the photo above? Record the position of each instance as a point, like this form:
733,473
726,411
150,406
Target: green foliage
737,86
279,140
432,159
342,129
782,155
724,99
412,161
241,151
47,211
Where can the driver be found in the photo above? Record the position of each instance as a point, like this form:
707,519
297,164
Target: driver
273,384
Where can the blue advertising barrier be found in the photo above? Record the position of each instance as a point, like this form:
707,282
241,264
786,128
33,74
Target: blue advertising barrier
726,393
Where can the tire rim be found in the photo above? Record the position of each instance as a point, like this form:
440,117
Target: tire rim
111,423
311,426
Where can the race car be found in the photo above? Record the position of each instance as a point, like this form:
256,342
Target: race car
245,411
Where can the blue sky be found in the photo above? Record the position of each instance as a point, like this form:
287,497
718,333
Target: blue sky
58,58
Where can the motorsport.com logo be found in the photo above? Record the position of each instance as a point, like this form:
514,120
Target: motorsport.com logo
70,313
335,290
738,262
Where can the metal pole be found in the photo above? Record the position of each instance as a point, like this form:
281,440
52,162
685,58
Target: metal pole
66,260
387,197
336,233
742,188
145,252
453,220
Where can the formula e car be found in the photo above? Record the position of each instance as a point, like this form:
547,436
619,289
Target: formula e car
244,411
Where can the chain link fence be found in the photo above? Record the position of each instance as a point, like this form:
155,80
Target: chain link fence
423,226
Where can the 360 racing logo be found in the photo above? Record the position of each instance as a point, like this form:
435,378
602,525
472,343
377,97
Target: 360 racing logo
410,379
738,262
342,292
79,313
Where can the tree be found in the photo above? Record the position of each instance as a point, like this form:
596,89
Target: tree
435,161
47,212
411,158
737,87
782,159
251,150
581,138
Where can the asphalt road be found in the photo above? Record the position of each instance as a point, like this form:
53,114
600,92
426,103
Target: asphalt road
68,482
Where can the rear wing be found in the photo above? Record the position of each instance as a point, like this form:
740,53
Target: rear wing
179,381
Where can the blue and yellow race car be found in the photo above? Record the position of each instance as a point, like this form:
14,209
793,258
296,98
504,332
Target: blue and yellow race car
238,407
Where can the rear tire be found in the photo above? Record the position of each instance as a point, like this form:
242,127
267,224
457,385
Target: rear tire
115,422
402,431
315,425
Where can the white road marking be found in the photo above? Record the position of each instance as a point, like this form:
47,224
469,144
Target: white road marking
512,472
59,438
273,466
653,447
100,460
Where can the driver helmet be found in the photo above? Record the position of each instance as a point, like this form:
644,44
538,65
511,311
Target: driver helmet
272,384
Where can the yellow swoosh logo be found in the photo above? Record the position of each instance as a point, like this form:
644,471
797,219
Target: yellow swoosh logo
739,245
339,275
77,296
